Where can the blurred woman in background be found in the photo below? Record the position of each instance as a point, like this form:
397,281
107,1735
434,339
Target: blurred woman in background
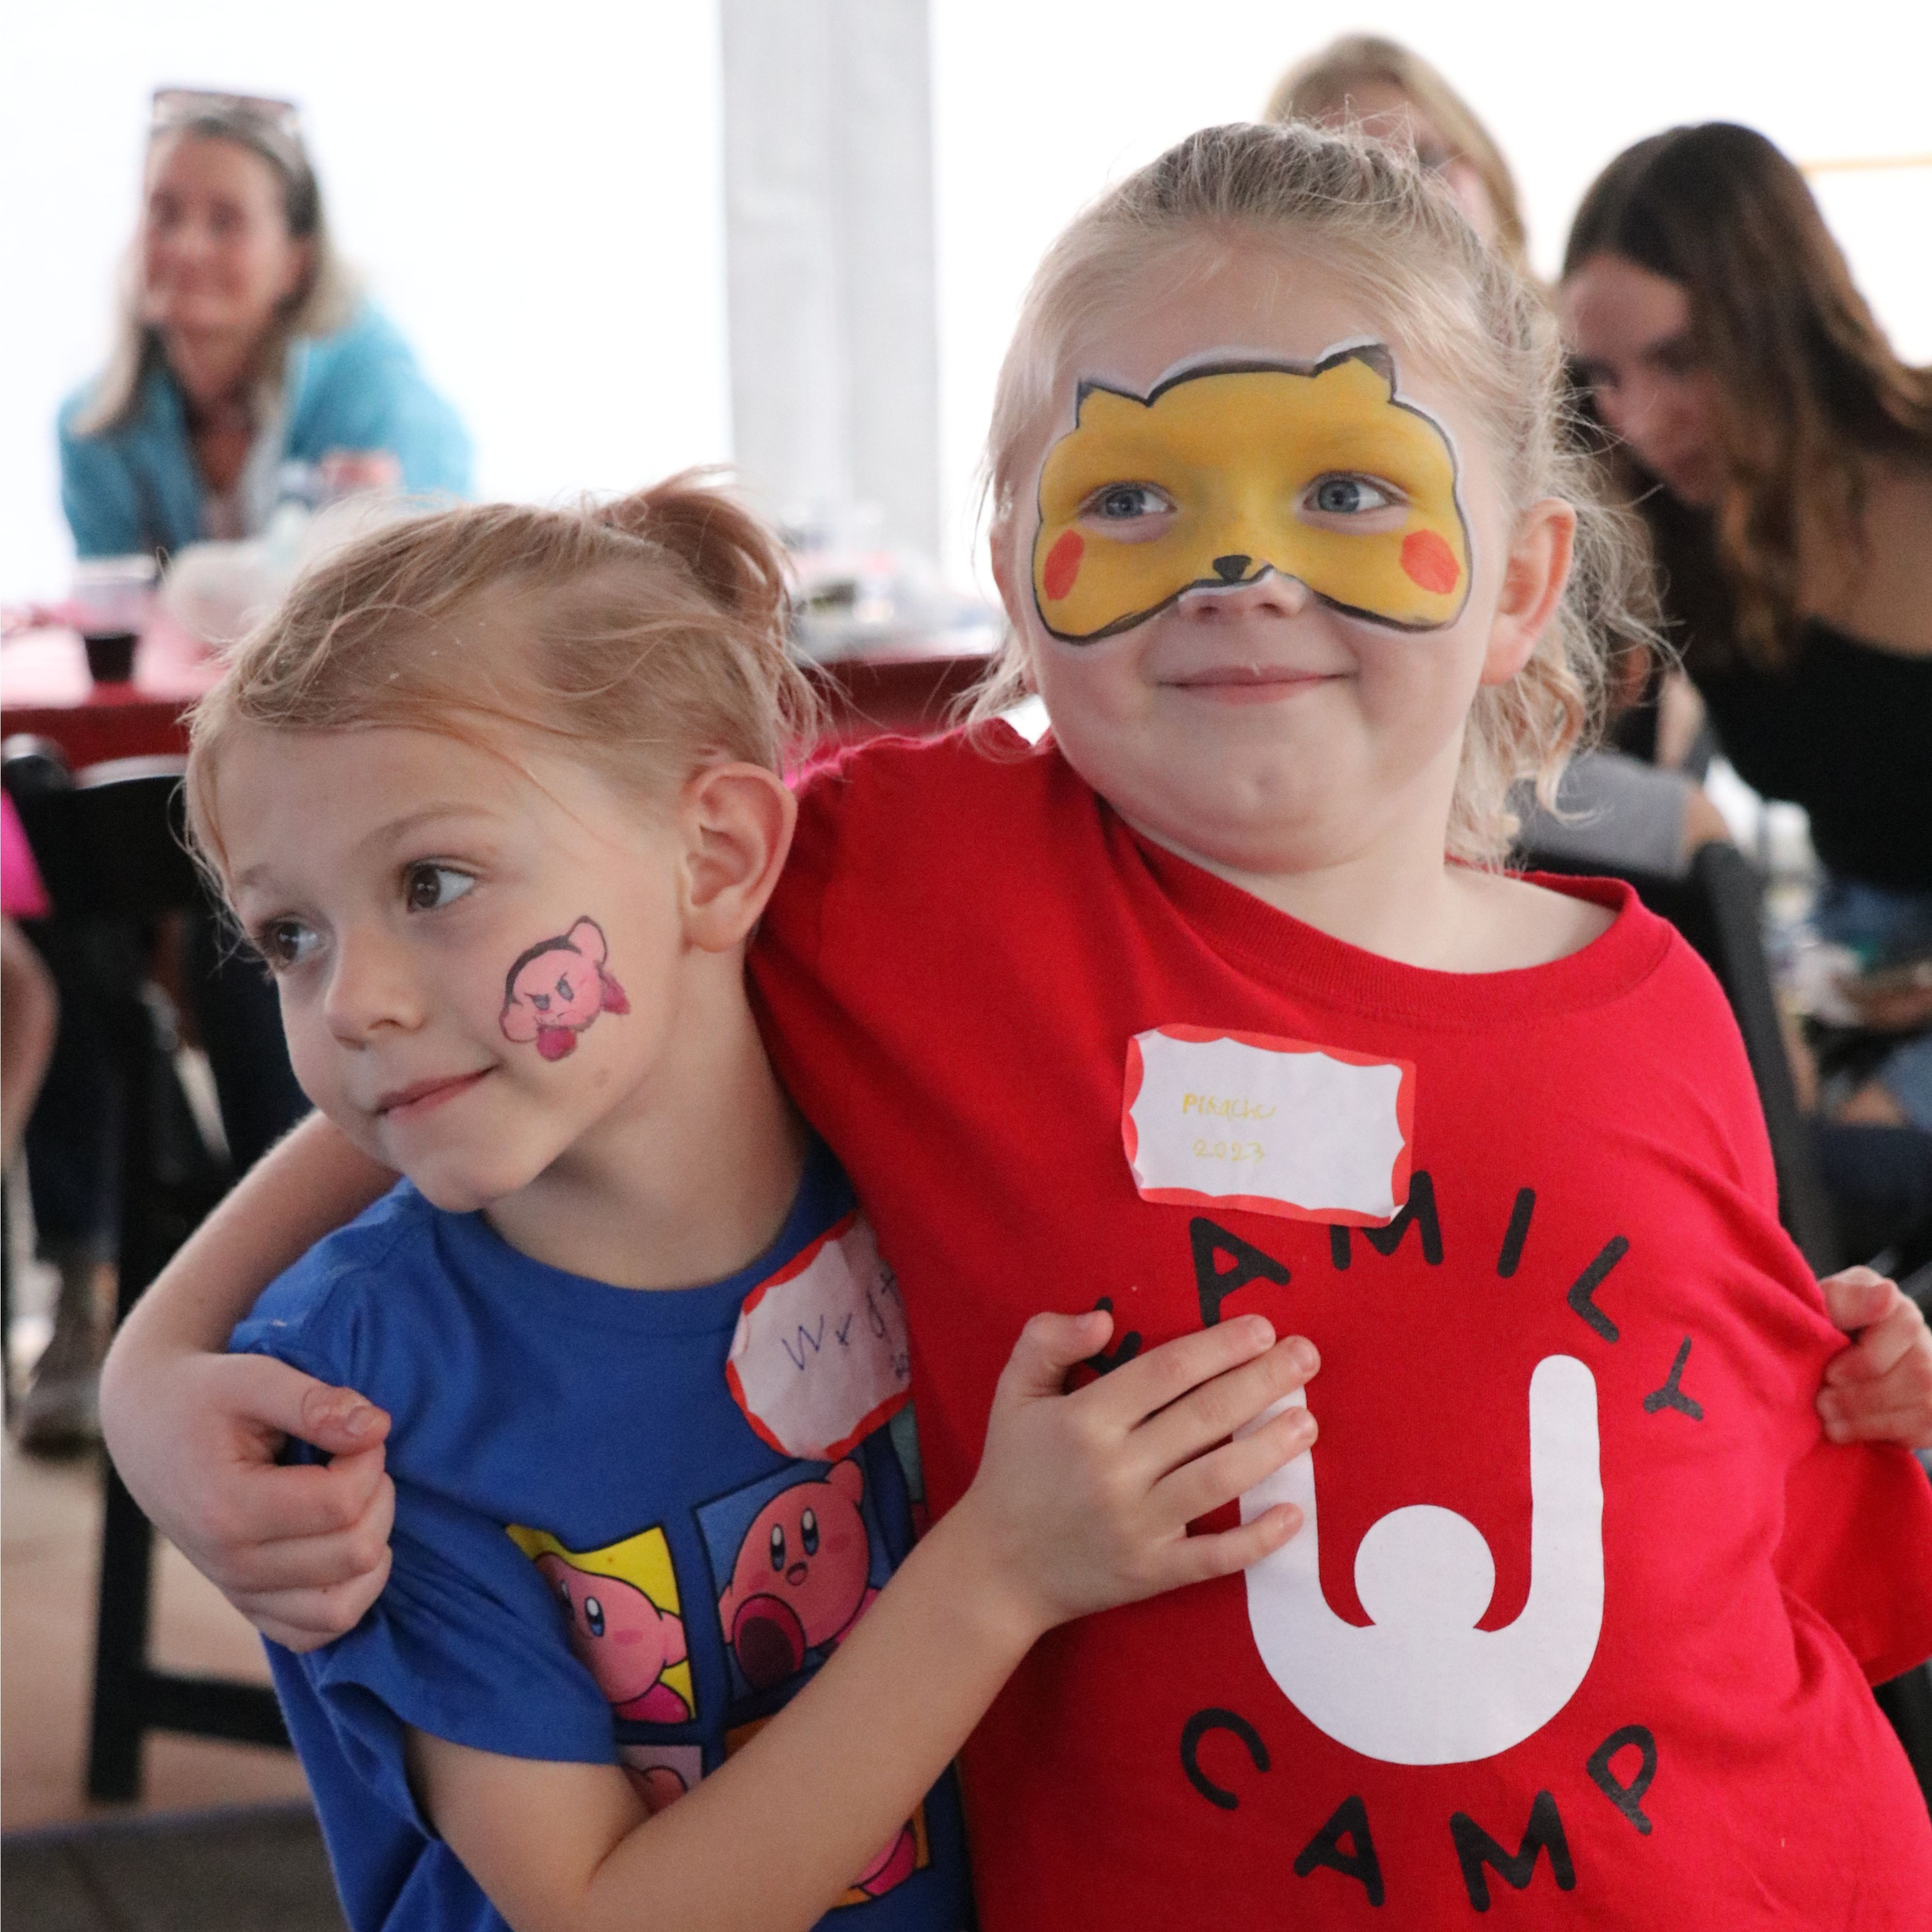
1782,455
241,346
1393,94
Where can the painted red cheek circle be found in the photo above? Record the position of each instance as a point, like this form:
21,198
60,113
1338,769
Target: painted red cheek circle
1062,565
1430,562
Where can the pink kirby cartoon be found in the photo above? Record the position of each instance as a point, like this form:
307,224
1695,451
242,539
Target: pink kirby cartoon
657,1786
557,987
623,1638
800,1578
892,1867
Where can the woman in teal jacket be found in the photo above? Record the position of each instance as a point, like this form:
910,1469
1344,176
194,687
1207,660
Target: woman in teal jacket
242,347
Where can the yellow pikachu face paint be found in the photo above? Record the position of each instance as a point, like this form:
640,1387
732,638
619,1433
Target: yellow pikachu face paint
1229,470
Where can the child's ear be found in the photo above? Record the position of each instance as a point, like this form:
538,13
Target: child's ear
1535,572
737,823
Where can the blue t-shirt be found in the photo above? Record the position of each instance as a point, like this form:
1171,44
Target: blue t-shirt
596,1557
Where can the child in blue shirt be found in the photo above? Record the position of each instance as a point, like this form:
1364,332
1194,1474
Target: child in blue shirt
495,795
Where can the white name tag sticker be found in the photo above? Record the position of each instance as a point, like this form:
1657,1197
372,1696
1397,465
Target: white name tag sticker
1276,1126
820,1358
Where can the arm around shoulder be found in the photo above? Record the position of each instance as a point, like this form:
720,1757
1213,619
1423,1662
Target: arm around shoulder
195,1432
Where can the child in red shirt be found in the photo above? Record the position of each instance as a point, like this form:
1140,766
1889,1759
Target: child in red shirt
1214,1001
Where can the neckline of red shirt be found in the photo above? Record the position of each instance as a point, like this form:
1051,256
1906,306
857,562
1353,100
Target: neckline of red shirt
1296,956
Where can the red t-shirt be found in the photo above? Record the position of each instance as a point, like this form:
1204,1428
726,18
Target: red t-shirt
1062,1064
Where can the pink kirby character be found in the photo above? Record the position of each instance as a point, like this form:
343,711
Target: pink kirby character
659,1787
623,1638
892,1867
800,1577
557,987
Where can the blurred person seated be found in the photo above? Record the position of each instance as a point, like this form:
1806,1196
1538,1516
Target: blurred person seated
1392,93
1780,452
242,346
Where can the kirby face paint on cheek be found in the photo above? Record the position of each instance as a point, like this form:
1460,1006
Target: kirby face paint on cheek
1232,468
557,988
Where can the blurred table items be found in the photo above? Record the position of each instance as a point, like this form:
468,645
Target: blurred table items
47,691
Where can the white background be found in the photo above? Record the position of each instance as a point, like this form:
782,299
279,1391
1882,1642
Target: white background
535,195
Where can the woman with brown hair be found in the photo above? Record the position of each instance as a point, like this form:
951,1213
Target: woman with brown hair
1783,456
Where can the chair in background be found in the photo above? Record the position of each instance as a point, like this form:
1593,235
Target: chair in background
108,846
1718,906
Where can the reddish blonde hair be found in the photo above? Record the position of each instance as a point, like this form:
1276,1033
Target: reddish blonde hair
643,638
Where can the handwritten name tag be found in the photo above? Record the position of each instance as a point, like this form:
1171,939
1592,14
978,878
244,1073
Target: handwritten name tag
820,1358
1277,1127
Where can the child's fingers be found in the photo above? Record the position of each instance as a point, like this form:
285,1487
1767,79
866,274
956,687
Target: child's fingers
1886,1341
1153,1380
1208,1482
1909,1424
1855,1296
1214,1411
1048,1345
303,1620
1195,1559
301,1527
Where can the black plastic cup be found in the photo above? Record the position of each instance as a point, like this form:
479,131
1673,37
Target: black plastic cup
110,655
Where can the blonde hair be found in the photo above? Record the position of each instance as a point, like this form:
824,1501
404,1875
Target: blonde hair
643,637
1320,88
1371,213
323,304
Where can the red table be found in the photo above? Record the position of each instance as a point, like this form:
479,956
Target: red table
45,691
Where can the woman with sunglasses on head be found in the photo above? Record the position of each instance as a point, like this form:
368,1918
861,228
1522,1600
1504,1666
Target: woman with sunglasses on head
1782,455
242,345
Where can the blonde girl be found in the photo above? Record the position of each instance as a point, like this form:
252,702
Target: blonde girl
495,795
1215,1002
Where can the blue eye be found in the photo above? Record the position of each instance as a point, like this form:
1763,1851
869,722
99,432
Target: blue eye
1121,502
428,888
778,1547
593,1616
808,1530
1348,495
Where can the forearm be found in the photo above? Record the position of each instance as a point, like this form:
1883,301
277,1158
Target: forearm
866,1739
772,1839
308,1185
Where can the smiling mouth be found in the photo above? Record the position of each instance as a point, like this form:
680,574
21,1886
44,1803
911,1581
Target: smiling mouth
422,1096
1236,682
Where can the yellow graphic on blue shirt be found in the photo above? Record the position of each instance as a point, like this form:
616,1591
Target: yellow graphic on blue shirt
626,1619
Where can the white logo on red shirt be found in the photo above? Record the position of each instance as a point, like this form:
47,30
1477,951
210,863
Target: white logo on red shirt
1421,1684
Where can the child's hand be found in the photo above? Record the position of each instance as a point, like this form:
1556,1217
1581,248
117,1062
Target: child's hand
1083,1500
302,1551
1879,1390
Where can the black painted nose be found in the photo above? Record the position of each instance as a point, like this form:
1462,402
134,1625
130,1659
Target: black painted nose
1232,569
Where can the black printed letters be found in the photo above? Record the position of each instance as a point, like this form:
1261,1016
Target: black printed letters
1196,1728
1246,1263
1351,1821
1475,1849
